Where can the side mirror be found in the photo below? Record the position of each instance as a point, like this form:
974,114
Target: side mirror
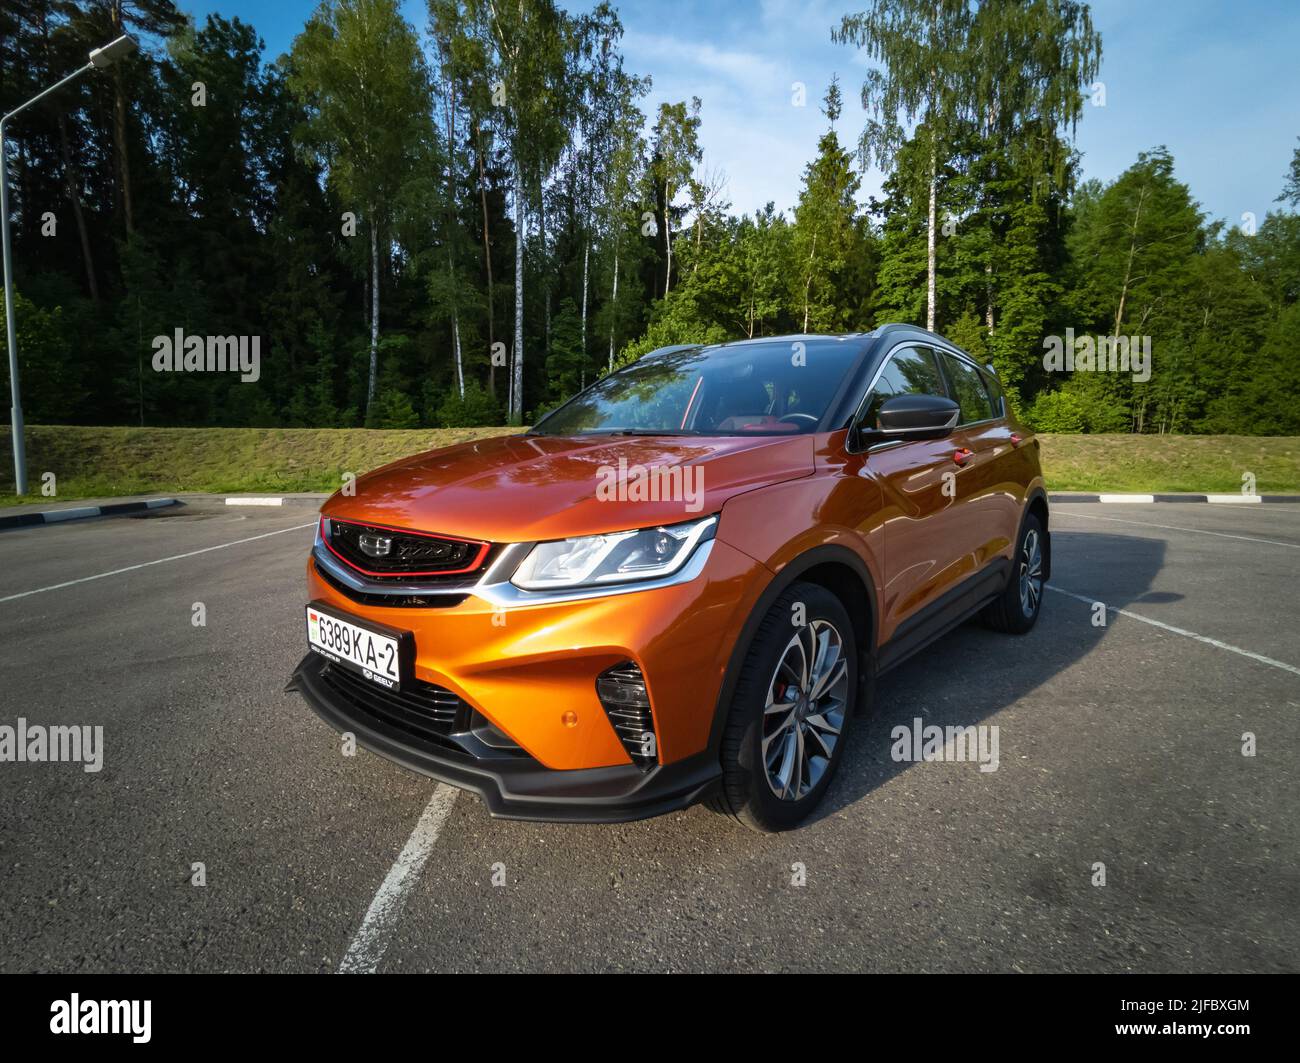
909,417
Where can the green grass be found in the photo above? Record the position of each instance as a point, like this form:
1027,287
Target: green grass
100,462
1148,464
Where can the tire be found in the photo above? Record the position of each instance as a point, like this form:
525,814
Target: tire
1015,610
804,746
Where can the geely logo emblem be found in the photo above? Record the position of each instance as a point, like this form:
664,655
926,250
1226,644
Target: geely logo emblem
375,545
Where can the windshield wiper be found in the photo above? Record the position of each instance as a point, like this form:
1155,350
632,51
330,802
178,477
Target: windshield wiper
642,432
616,432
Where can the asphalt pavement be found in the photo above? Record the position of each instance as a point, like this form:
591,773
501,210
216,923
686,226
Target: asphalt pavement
1123,830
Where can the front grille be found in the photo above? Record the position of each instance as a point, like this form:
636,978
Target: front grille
422,709
393,553
392,601
622,694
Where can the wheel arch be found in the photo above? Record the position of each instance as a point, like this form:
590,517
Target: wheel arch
838,570
1037,505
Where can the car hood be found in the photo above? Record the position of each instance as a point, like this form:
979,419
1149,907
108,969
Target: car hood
522,488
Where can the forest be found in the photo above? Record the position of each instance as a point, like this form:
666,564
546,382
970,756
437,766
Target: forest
465,222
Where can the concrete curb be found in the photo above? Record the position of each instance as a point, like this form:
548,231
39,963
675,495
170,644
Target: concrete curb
1054,496
274,500
58,516
1222,500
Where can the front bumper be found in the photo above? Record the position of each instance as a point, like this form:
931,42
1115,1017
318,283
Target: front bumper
530,666
517,787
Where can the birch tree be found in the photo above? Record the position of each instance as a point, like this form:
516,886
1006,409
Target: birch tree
529,43
676,151
923,49
360,73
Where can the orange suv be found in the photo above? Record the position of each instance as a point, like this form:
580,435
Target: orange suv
681,584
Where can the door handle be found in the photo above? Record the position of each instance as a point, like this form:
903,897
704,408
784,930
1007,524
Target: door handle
962,455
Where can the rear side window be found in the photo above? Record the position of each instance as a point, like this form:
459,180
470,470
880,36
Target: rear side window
995,393
968,389
911,371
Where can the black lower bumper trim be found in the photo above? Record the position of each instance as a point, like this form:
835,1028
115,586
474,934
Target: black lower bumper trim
518,787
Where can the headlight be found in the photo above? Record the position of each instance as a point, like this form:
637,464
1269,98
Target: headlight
614,558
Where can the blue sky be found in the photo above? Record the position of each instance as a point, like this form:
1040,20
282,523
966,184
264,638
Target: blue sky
1217,83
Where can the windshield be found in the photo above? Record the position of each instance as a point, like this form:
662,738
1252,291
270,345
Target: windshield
761,388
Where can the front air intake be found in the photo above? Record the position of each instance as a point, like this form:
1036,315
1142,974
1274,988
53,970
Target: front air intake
622,693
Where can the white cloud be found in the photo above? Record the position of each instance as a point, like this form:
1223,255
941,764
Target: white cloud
749,73
749,128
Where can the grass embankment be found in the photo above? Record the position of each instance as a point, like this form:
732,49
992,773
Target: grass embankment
95,462
1147,464
99,462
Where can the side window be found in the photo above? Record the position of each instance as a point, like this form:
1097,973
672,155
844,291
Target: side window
995,393
910,371
968,389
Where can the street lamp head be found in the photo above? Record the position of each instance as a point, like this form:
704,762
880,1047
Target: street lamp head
112,52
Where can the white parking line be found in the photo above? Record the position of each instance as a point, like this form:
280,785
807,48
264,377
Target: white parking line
1181,631
371,938
1171,527
147,564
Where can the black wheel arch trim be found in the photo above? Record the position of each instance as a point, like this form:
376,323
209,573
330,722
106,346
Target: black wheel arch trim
1039,494
790,573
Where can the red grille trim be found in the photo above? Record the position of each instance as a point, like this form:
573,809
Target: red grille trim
483,548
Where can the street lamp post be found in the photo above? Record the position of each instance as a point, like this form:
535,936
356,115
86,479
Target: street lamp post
100,57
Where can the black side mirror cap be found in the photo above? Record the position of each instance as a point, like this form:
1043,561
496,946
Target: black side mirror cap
910,417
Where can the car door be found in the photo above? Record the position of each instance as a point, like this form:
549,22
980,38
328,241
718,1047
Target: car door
985,467
923,544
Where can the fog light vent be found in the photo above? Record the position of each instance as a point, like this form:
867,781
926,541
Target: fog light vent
622,692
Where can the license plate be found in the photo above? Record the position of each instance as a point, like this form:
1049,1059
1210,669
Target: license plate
376,655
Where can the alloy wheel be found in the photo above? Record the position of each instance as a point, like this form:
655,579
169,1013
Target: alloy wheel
1031,572
804,712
